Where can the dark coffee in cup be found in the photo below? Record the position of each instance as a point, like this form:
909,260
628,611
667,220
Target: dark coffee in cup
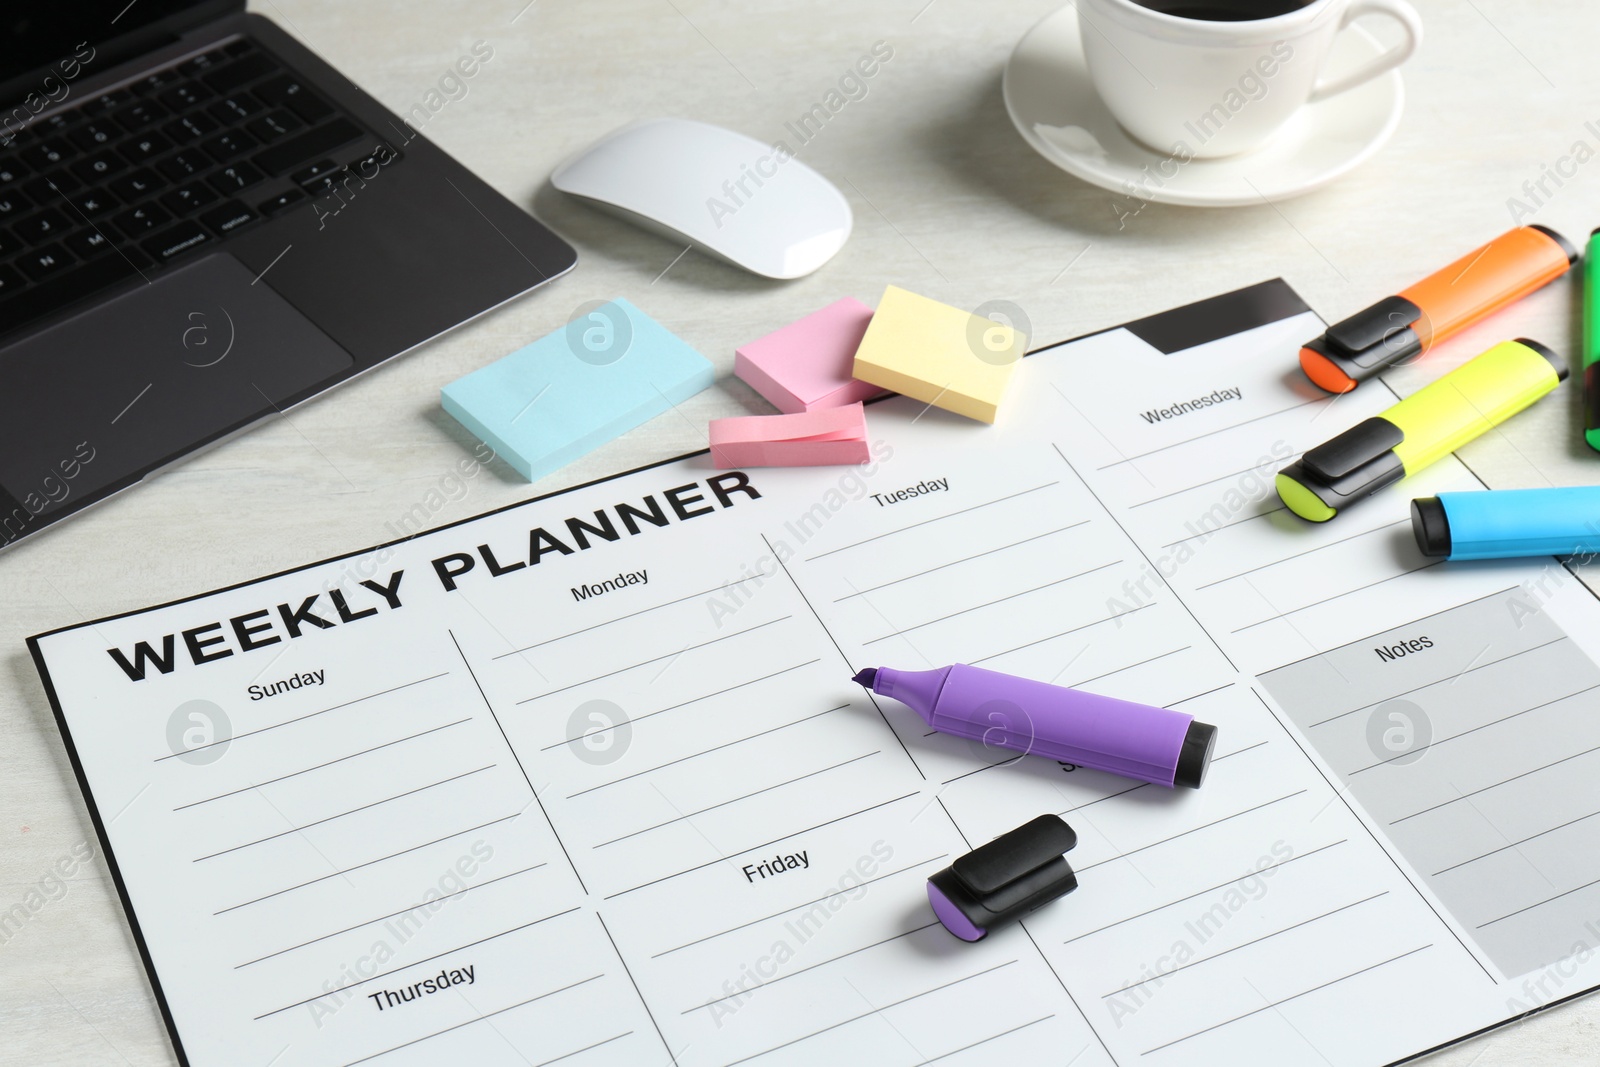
1225,10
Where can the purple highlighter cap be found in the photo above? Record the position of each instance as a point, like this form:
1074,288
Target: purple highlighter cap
950,916
999,883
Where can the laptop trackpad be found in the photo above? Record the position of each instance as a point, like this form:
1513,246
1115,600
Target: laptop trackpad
151,375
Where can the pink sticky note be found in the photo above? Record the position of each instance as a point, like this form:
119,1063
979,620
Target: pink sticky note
822,438
806,365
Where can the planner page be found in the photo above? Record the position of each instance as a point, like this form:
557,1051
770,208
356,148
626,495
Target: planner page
586,780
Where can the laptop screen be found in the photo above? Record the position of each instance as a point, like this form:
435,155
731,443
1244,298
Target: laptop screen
71,35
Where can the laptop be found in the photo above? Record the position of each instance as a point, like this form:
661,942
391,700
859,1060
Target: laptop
202,225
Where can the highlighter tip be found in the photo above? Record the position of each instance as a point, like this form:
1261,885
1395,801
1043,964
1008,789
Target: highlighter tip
866,677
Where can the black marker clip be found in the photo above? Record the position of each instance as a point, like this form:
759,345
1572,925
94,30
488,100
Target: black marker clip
999,883
1372,340
1355,464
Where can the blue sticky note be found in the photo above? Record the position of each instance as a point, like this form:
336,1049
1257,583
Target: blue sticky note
609,369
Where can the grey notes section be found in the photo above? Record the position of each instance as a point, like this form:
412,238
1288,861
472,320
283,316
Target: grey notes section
1472,737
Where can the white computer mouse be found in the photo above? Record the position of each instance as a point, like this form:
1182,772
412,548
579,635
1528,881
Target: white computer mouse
751,204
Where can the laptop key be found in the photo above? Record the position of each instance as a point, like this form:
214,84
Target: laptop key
146,218
46,225
184,96
176,241
48,153
108,102
317,141
273,125
190,128
282,202
94,203
284,91
12,171
145,147
145,113
310,175
228,217
233,75
188,199
185,164
56,125
86,244
100,166
278,91
45,262
135,185
202,63
161,79
10,282
12,205
230,180
95,134
327,183
310,107
48,188
229,146
235,107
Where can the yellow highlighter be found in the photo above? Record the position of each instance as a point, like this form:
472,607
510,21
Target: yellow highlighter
1420,430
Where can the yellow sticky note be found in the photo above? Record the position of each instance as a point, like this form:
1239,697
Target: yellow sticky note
939,354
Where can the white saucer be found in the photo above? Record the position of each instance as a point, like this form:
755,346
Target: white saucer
1056,109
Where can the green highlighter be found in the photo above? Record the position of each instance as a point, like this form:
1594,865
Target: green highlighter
1591,345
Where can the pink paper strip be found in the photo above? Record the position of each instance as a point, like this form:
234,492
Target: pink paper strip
822,438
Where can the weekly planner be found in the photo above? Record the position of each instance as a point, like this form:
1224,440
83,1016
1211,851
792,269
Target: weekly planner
586,780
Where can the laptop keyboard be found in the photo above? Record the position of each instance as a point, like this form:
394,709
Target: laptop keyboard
146,175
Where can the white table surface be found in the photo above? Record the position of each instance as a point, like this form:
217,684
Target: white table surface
948,202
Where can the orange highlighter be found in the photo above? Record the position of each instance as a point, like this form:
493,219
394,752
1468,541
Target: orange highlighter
1397,329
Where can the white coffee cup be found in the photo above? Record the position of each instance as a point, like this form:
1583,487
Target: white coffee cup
1209,88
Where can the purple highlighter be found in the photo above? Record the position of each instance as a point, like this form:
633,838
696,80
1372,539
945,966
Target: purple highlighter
1154,745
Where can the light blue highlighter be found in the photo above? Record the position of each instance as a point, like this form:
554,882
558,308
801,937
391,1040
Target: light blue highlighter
1507,523
611,368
